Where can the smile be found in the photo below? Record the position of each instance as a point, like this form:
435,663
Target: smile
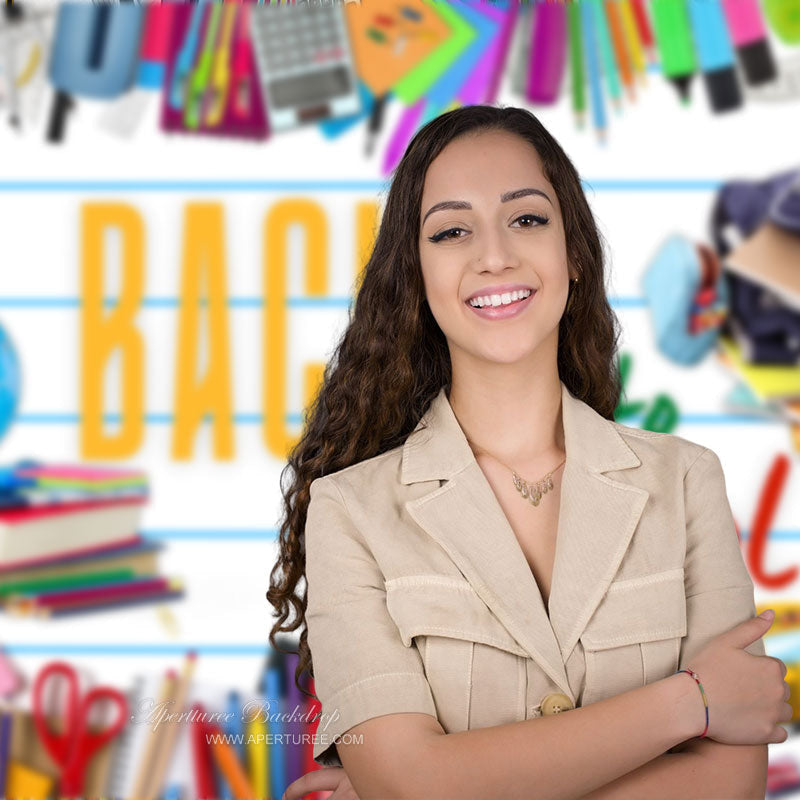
502,306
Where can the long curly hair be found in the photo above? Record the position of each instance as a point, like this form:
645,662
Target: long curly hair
392,359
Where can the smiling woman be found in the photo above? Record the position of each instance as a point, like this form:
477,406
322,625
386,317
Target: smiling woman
484,548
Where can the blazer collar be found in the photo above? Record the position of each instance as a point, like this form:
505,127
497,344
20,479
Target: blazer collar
597,517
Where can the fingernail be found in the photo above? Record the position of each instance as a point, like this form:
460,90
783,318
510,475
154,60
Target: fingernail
768,614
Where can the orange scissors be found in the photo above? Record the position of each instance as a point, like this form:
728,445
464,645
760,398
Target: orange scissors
74,746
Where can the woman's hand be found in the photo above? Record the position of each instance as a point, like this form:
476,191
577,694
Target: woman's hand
322,780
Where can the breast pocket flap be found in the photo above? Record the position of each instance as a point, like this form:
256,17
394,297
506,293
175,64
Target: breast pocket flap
440,606
641,609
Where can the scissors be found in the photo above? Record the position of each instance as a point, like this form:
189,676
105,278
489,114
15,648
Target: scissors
74,746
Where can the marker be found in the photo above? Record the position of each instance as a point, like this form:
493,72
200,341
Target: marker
715,54
749,34
784,19
548,53
674,40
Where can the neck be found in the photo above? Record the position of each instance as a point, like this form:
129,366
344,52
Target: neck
517,422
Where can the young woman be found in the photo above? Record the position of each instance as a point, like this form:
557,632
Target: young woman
483,547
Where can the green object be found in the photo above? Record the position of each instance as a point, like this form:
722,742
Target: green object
202,74
662,417
784,18
576,61
673,34
78,580
412,86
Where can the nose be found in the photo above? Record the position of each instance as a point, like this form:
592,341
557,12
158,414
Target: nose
494,252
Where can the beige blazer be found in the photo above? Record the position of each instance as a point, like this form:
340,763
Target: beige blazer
421,599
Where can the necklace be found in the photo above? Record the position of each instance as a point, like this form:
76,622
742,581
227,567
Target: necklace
530,491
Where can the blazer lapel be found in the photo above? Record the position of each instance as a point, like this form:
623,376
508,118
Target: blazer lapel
597,518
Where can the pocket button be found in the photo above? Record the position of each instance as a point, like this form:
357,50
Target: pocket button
556,703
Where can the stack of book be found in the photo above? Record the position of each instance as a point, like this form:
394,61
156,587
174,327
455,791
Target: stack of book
70,541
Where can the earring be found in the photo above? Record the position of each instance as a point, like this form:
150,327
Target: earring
574,282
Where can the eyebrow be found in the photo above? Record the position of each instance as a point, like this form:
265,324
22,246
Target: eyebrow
461,205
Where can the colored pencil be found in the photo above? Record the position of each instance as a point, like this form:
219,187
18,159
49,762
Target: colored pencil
167,744
154,736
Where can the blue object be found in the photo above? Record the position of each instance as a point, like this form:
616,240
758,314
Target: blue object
448,85
671,281
336,126
9,382
590,47
714,49
186,58
234,724
746,204
274,689
95,51
784,210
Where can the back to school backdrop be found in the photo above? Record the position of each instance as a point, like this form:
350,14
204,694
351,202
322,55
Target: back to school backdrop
186,199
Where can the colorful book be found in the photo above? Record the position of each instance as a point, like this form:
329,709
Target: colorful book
139,553
31,533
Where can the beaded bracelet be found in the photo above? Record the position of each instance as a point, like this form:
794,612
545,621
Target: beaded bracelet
694,675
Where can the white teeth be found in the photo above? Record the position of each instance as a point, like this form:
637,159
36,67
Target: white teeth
499,299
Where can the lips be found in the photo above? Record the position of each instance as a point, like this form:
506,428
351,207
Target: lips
503,311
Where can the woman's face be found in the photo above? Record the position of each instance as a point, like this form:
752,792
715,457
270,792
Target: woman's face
491,225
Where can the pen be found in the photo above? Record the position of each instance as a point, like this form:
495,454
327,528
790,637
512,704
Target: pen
202,72
217,95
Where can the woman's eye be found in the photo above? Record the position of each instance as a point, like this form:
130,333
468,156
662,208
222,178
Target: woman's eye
540,219
536,218
443,235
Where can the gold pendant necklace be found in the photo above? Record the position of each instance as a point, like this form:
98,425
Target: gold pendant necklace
530,491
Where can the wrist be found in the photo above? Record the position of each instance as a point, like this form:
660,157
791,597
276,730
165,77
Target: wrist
689,710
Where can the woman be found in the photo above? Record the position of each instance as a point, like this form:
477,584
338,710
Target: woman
482,544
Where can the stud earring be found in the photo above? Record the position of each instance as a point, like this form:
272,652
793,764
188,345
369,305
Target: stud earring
574,282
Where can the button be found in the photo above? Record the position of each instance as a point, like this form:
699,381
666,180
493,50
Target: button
556,703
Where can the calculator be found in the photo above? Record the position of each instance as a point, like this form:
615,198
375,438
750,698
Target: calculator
305,62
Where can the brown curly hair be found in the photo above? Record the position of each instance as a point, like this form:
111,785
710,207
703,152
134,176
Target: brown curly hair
392,359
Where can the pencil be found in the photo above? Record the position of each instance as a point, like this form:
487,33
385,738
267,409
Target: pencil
5,746
148,756
620,46
576,61
593,68
635,47
229,765
167,744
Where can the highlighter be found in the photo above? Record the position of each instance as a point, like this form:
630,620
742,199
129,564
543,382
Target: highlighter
784,18
155,44
749,34
548,53
715,54
673,34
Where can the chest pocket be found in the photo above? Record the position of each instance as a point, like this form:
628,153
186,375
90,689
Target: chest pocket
634,636
475,668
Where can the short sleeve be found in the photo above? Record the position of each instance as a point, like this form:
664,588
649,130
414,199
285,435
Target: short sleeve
362,669
719,589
